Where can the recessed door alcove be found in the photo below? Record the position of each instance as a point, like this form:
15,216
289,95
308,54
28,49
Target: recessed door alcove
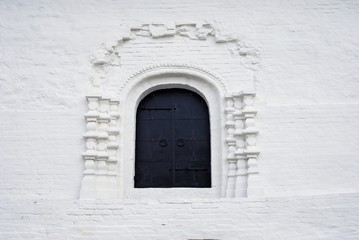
208,93
172,141
110,158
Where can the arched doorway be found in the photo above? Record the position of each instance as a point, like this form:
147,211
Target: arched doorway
172,140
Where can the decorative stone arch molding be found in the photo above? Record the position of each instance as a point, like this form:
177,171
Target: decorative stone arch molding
110,137
108,57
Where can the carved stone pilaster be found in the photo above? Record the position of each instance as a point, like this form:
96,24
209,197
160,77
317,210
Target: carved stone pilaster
251,152
102,132
231,145
103,137
241,183
88,186
112,149
241,143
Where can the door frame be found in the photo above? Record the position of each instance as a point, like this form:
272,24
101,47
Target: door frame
211,90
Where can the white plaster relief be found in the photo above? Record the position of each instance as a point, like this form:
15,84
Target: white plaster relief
102,143
181,67
102,163
109,55
243,180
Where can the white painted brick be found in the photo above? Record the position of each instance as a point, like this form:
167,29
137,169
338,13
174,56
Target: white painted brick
306,85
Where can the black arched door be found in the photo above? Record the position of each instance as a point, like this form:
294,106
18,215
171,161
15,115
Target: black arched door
172,140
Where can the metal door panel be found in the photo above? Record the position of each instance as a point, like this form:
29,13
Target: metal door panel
153,175
184,179
203,178
143,115
200,151
198,166
160,129
183,102
161,174
143,130
143,176
162,100
182,111
161,152
186,152
192,129
144,151
200,132
183,129
149,112
199,110
161,113
192,150
153,129
172,140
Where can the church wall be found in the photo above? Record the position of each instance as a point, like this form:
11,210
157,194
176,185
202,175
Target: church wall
302,65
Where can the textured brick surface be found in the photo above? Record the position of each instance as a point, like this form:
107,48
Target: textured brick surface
315,217
306,82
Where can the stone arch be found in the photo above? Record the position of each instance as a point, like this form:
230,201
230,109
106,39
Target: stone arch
161,77
110,121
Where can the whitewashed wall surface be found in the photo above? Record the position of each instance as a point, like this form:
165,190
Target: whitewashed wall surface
281,80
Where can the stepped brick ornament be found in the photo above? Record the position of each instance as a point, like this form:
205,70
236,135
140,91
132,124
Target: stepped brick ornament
241,144
101,178
102,143
109,55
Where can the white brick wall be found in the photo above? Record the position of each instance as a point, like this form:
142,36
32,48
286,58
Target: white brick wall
307,100
315,217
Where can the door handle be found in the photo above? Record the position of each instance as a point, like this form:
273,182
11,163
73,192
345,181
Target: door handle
162,143
180,142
